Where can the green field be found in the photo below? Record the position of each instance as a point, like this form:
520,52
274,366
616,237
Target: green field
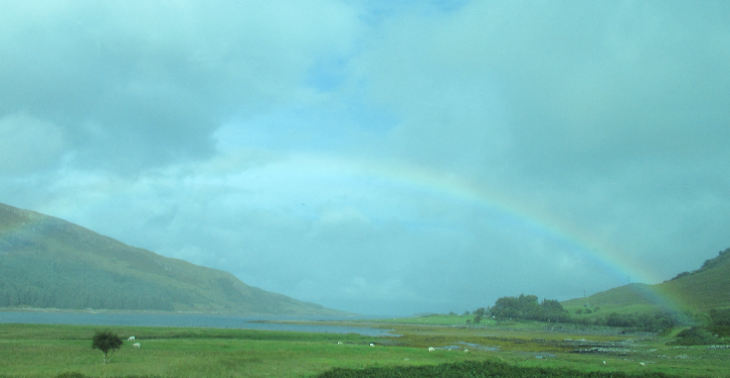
50,350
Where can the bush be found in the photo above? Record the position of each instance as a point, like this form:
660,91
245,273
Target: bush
648,322
720,317
71,375
694,336
722,331
476,369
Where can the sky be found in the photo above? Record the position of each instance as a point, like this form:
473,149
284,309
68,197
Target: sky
379,157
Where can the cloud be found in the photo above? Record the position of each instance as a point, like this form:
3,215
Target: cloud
576,113
629,81
29,145
414,156
138,85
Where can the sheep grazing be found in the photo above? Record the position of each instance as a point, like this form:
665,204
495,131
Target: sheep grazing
431,349
371,344
339,343
604,362
131,338
642,364
137,345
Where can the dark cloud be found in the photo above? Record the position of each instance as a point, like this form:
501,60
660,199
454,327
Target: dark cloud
137,85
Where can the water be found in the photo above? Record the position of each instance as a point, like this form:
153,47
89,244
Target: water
178,320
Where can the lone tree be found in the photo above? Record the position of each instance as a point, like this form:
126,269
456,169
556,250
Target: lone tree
106,341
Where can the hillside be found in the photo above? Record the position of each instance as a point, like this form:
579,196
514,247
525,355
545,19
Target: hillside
697,291
46,262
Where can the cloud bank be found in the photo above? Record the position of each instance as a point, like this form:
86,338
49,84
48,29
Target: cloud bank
378,157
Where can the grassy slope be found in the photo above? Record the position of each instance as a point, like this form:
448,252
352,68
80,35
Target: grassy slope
48,262
704,289
698,291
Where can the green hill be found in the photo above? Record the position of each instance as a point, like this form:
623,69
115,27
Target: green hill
697,291
46,262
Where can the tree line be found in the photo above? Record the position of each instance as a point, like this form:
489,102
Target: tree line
28,282
527,307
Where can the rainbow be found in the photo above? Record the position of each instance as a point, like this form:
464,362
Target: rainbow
537,220
452,187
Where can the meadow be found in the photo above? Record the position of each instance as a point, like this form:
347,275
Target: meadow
54,350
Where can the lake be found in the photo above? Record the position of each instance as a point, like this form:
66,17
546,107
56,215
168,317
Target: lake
182,320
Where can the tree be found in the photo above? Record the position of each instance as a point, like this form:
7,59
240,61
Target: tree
527,307
720,317
522,307
106,341
552,310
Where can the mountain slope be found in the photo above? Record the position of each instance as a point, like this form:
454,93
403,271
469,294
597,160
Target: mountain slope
46,262
697,291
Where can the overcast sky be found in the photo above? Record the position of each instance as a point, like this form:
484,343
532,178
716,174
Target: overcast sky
380,157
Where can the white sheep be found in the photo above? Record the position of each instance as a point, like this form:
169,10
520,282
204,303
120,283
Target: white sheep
131,338
137,345
339,343
372,345
431,349
642,364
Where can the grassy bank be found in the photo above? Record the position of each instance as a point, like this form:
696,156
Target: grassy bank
49,350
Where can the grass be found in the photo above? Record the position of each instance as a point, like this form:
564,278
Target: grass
46,351
49,350
697,291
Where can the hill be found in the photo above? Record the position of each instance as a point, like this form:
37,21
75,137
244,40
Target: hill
46,262
697,291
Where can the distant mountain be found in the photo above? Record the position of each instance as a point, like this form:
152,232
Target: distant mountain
46,262
697,291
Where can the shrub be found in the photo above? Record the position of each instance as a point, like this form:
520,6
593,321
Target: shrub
720,317
73,374
694,336
476,369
